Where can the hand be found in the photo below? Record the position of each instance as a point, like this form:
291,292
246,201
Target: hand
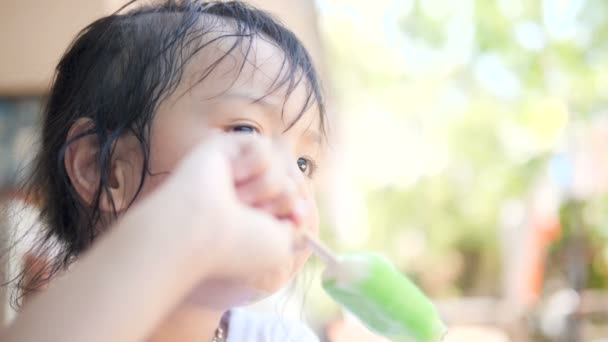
210,181
267,177
192,228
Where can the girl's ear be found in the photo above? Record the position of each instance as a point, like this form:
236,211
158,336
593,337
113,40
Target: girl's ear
80,159
82,165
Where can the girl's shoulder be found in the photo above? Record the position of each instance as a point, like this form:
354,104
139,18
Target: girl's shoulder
249,326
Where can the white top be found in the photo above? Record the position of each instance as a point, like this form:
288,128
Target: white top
248,326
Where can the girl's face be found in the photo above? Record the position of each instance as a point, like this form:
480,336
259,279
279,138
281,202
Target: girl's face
226,100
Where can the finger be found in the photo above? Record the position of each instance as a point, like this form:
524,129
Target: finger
255,156
282,206
272,240
263,188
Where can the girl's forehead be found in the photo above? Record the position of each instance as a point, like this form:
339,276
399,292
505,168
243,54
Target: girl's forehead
236,62
249,69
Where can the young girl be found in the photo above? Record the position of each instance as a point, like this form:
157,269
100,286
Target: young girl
178,151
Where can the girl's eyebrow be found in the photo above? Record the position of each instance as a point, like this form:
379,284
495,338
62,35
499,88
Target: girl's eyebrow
255,98
313,137
310,135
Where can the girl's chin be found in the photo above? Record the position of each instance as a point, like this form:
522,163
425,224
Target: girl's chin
220,294
223,294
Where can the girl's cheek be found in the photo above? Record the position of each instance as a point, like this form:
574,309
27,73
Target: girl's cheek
151,183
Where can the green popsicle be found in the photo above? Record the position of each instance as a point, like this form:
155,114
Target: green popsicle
384,300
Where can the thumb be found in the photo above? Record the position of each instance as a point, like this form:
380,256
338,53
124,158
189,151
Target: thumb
270,241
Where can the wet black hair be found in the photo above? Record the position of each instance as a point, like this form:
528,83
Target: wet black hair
116,73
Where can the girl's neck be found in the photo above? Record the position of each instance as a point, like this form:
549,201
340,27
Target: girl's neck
188,324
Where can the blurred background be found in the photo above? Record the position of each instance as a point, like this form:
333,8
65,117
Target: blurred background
468,143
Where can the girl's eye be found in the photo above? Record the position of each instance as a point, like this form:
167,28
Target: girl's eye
242,128
306,166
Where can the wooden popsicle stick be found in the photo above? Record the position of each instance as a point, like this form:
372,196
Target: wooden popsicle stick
320,250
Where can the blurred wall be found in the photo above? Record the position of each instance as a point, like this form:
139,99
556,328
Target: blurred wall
3,265
34,34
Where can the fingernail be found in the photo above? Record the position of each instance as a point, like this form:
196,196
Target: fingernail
300,210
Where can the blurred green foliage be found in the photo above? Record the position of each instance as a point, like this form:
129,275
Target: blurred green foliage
493,88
